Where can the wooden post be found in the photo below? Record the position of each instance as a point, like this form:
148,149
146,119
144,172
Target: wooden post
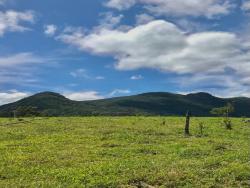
187,123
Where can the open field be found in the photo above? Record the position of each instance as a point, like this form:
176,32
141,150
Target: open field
123,152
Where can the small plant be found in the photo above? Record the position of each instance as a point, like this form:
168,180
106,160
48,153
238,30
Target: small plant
227,122
201,128
164,122
245,120
224,112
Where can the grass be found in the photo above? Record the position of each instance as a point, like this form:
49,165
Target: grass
123,152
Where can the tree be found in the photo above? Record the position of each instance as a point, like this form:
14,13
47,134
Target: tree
26,111
224,112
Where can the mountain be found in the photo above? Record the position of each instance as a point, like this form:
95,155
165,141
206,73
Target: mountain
158,103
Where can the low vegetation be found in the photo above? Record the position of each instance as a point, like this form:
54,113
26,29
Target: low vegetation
123,152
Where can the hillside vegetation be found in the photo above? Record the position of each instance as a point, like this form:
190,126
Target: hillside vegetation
200,104
123,152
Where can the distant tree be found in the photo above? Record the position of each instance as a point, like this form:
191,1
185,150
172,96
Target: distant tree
225,113
26,111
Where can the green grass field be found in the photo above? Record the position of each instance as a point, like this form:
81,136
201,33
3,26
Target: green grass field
123,152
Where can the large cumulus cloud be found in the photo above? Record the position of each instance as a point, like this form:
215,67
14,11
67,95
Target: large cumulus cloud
162,45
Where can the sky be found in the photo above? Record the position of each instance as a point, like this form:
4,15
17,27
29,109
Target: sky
94,49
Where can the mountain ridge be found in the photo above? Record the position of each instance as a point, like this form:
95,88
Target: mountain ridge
152,103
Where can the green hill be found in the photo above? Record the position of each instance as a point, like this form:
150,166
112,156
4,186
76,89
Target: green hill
200,104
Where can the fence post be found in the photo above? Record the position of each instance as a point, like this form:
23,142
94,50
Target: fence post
187,123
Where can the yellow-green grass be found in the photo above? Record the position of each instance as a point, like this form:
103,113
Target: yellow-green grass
123,152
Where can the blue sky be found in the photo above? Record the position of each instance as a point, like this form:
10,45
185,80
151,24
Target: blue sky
96,49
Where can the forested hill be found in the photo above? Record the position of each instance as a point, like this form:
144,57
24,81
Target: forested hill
161,103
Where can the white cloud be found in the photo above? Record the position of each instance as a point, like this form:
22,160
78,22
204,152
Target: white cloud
83,96
193,26
2,2
120,4
163,46
207,8
19,59
134,48
136,77
10,21
12,96
143,19
19,77
83,73
99,77
223,85
20,69
50,30
246,5
80,73
117,92
109,20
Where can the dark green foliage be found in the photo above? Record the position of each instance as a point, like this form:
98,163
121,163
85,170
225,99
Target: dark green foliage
200,104
26,111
